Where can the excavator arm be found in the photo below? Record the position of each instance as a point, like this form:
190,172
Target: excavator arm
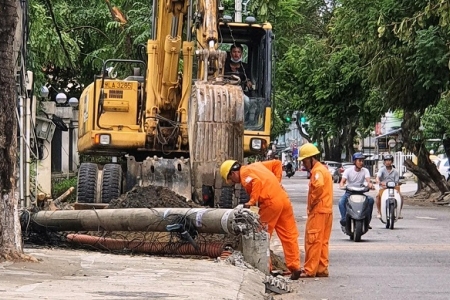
209,122
177,118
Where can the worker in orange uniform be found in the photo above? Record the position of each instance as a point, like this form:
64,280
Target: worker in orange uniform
262,181
320,213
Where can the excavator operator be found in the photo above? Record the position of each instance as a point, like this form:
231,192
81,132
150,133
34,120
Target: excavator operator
235,66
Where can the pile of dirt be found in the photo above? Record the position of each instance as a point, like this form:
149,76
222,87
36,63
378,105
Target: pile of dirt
151,197
277,262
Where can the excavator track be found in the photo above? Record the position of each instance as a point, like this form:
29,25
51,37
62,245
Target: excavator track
216,132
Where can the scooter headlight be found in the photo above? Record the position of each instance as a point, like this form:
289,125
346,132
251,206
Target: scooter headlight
390,184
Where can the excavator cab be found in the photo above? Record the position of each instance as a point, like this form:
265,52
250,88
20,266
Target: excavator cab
256,41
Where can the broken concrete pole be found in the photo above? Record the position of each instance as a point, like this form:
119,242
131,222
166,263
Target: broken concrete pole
256,250
209,220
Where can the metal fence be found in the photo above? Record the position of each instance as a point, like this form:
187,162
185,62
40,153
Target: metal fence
399,158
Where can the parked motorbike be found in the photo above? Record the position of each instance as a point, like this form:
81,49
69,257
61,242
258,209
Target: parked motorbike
358,212
289,169
391,204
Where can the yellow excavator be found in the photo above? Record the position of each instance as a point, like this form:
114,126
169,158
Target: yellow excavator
171,118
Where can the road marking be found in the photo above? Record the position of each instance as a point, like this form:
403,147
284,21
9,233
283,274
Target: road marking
390,247
426,218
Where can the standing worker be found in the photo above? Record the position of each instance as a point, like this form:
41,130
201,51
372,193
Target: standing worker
262,181
320,213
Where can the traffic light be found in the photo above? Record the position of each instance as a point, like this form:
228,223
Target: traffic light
288,119
303,119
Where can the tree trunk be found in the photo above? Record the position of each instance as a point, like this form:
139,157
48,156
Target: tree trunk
10,231
425,170
421,174
350,141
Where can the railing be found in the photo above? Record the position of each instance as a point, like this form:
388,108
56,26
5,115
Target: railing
399,158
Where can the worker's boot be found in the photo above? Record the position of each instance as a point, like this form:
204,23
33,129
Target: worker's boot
295,275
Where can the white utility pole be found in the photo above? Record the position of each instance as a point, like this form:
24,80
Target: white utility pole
238,11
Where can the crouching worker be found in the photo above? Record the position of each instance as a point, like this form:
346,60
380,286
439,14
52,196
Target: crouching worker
262,180
320,213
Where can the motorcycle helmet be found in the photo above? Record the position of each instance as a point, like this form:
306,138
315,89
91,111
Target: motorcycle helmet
358,155
388,157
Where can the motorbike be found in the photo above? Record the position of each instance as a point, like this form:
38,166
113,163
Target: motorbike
358,210
391,204
289,169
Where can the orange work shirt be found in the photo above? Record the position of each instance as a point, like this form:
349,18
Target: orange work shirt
275,166
320,196
261,183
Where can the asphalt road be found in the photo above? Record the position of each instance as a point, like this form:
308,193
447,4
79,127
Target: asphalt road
410,262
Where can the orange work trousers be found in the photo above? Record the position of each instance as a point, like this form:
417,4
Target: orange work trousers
279,215
317,237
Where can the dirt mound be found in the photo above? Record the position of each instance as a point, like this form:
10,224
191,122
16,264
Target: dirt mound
151,197
277,262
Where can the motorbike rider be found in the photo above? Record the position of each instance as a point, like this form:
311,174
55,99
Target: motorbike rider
288,167
385,174
355,176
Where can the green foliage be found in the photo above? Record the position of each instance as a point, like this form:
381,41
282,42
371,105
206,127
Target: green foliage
436,120
413,68
60,187
261,9
89,35
344,63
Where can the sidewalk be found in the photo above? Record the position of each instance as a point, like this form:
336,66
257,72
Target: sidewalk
78,274
409,188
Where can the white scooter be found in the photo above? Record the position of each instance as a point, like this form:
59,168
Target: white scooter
391,204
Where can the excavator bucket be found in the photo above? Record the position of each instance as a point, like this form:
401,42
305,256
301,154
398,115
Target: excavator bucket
216,130
171,173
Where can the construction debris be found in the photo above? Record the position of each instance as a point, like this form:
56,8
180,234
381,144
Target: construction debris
278,284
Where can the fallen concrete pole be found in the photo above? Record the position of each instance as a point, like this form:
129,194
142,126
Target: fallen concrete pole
209,220
206,220
212,250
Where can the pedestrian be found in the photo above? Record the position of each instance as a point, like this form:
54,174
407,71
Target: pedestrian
320,214
262,181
